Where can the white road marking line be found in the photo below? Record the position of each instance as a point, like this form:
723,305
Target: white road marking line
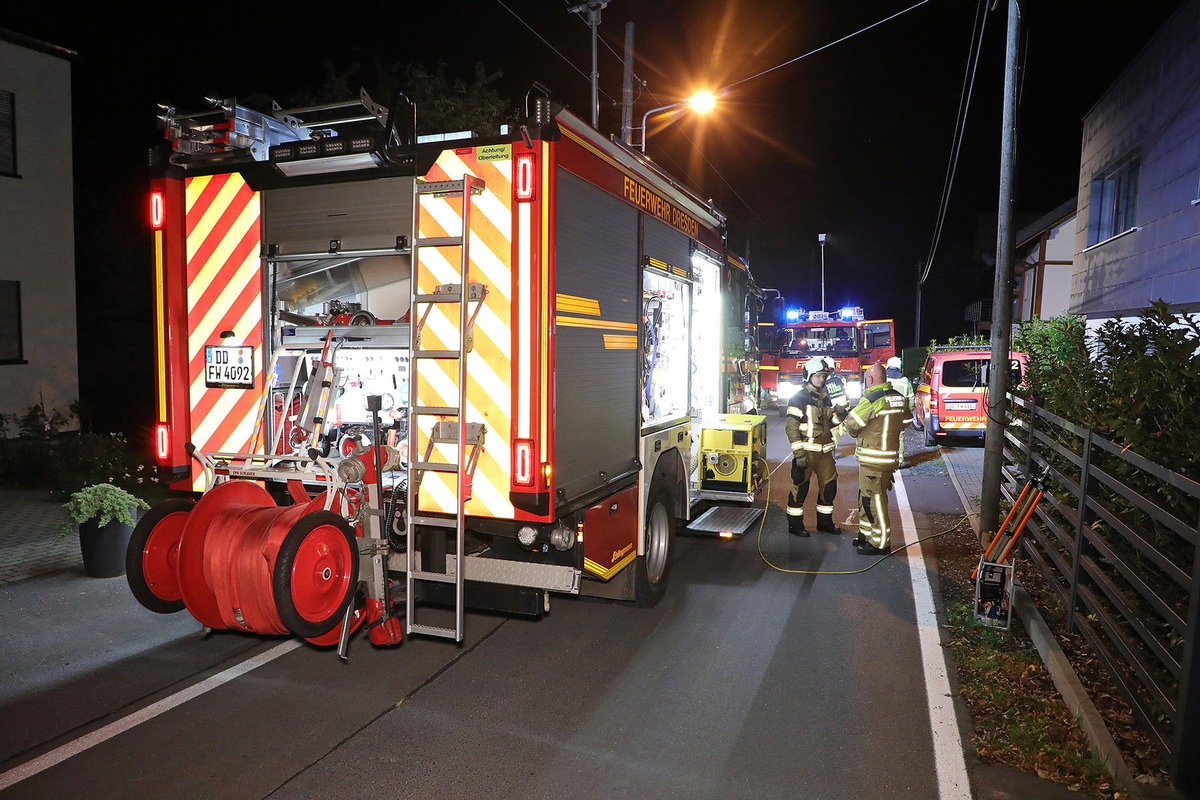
100,735
948,759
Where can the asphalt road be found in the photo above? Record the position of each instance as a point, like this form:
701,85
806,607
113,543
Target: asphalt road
774,668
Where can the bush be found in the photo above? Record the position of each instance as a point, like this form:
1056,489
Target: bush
41,457
103,502
1136,383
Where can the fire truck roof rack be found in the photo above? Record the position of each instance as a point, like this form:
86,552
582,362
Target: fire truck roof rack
228,130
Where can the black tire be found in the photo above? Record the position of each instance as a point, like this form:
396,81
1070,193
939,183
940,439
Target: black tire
653,568
917,424
929,440
320,613
141,546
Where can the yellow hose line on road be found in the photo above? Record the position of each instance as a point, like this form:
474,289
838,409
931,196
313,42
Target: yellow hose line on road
876,563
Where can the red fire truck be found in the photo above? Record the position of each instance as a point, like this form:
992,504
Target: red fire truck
529,348
854,343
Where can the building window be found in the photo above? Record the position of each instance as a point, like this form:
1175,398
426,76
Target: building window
11,351
1113,202
8,134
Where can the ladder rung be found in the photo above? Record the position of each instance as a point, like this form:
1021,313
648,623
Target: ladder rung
434,630
436,577
442,522
439,297
441,411
440,241
436,354
433,466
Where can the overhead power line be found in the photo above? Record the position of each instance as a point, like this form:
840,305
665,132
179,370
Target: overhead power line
826,46
960,124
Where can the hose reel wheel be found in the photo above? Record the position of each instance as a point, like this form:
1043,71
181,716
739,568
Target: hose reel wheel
150,560
316,574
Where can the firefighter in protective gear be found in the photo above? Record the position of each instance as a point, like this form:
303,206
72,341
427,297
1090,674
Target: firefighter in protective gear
835,388
878,423
904,386
810,422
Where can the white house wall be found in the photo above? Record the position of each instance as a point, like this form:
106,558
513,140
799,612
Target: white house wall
1056,285
1152,110
37,227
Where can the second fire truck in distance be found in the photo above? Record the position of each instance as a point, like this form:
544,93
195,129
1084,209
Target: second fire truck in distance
854,343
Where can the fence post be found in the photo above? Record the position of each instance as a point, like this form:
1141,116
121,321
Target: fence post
1183,764
1029,444
1080,526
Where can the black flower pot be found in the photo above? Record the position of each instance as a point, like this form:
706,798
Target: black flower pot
104,547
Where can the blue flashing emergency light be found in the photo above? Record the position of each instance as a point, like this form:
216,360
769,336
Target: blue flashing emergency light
851,313
794,314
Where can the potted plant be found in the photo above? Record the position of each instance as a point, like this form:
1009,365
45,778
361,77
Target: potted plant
104,515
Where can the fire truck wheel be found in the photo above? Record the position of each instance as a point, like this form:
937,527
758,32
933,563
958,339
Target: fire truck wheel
653,567
316,573
917,424
929,440
151,557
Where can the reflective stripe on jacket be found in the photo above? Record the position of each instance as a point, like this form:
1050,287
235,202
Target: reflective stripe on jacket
904,386
810,421
878,423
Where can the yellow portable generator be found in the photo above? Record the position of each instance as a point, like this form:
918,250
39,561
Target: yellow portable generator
732,456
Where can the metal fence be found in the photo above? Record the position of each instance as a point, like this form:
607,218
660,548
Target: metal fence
1115,537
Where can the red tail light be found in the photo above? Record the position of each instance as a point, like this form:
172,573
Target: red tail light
162,441
524,176
522,462
157,211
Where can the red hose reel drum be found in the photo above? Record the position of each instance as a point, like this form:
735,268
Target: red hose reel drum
241,562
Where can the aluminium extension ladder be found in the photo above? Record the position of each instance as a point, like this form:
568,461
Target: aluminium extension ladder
449,426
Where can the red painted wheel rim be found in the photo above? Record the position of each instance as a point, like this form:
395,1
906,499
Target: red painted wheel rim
160,556
321,573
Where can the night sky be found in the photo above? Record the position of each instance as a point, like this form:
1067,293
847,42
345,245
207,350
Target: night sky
854,140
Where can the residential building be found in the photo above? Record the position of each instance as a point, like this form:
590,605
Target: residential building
39,362
1137,232
1045,252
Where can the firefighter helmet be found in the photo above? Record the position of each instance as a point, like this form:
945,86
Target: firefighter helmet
830,364
894,362
814,366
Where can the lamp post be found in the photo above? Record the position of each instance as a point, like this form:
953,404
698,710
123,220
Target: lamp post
821,237
701,101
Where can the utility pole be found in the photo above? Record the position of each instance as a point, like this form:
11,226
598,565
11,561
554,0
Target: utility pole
627,90
920,280
593,8
821,237
997,402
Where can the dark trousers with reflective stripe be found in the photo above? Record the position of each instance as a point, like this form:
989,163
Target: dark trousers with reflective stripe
822,465
873,487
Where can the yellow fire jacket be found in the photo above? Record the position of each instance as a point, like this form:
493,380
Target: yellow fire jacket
810,421
878,422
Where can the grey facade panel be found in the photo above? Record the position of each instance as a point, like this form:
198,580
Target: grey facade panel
595,388
1151,114
361,215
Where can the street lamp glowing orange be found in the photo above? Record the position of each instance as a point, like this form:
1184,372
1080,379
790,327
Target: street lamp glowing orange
702,102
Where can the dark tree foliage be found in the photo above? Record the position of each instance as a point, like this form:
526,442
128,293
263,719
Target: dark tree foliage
444,103
1136,383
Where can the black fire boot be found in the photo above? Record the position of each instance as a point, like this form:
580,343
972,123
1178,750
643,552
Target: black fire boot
866,549
796,528
825,524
